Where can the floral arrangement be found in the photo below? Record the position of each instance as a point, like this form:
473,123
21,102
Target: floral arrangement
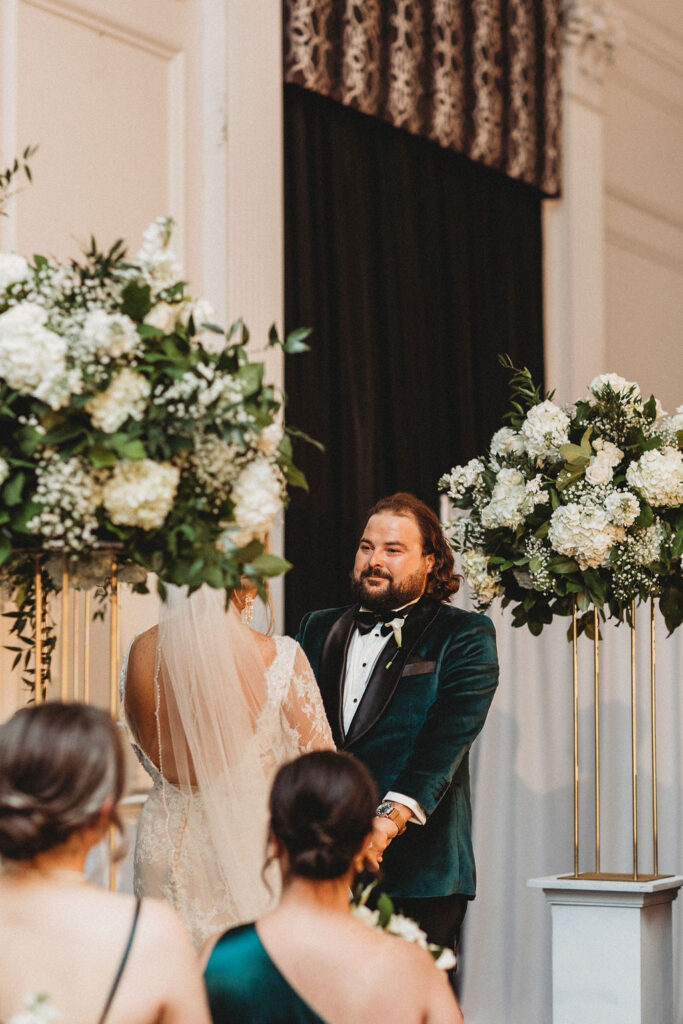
37,1010
130,422
575,503
384,917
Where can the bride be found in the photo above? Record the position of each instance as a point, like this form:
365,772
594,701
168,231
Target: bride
214,708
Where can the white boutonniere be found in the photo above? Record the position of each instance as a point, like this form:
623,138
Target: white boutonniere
397,629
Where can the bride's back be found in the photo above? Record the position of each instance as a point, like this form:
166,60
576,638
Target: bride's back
150,707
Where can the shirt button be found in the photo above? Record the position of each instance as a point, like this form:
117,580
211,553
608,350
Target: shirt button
365,664
355,700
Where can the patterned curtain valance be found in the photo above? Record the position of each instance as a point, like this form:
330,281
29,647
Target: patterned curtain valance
481,77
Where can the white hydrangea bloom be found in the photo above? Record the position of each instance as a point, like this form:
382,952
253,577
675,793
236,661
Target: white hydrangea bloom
463,478
486,585
126,396
38,1009
506,442
668,427
257,497
4,471
583,532
545,428
141,493
13,268
33,358
658,476
618,384
622,508
109,334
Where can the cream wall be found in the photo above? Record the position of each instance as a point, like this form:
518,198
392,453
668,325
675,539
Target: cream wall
614,240
142,108
643,118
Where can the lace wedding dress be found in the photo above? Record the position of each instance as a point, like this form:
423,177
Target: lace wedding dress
201,840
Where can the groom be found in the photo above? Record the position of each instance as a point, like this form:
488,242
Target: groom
407,681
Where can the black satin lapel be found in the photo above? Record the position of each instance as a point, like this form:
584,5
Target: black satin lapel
331,672
383,681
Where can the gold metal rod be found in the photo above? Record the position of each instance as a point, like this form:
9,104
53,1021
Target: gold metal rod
634,742
653,692
113,687
576,738
64,680
77,642
38,638
596,669
86,649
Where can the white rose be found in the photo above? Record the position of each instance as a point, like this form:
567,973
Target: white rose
13,268
658,476
269,438
506,442
141,493
4,471
446,959
407,929
599,470
367,916
486,585
125,397
617,384
32,357
164,316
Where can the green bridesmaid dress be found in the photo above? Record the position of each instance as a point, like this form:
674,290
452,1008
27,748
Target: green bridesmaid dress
245,986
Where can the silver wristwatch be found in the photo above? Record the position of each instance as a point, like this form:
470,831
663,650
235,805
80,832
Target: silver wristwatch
387,809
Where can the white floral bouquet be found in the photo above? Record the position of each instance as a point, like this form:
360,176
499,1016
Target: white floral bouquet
384,917
129,421
575,503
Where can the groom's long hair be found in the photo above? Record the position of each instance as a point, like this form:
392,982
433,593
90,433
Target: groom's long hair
442,580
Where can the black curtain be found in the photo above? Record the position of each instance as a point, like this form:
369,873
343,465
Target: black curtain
415,267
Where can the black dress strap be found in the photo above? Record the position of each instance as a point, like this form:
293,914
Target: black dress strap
124,959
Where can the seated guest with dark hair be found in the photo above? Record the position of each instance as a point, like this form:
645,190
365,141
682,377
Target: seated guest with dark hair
71,951
310,960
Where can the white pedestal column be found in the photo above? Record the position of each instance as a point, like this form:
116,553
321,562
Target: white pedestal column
612,956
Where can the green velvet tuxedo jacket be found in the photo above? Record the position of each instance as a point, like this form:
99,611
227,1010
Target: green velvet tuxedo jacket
413,730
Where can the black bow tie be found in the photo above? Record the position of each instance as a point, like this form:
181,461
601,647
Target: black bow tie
366,621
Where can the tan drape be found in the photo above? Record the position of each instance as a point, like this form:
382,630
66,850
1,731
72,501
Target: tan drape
481,77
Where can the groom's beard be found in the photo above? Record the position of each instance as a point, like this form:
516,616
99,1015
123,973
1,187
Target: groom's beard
394,596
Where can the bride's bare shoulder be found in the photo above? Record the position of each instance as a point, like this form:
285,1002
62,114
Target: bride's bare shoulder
266,645
142,657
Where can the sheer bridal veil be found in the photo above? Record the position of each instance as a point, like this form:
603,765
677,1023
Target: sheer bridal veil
211,691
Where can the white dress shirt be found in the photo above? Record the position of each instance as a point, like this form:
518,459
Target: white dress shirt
364,651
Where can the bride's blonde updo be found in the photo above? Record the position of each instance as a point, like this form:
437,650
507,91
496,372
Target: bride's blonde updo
59,765
321,809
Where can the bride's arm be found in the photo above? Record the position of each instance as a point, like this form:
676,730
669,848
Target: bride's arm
303,708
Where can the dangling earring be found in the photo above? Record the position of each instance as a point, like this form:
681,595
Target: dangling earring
248,609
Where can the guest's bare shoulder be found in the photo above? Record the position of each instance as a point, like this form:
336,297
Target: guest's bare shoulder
420,991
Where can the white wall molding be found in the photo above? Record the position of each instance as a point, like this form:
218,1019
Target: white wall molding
101,23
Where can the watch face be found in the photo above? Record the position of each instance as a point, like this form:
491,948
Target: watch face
384,808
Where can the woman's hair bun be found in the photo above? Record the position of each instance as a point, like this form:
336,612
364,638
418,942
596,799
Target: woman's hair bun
59,764
321,809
